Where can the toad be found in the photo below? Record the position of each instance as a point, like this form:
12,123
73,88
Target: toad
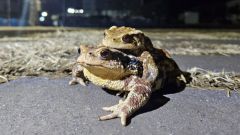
112,69
135,42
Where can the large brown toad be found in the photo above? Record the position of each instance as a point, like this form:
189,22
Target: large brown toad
132,41
112,69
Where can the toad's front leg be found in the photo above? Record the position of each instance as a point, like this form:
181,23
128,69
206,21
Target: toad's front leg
139,94
78,76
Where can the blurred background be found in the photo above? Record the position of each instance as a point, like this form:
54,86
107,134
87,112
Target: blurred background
134,13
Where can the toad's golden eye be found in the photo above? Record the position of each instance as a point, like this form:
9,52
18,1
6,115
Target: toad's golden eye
79,50
104,53
127,39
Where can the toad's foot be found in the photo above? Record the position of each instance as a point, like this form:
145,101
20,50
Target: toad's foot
77,75
118,111
78,80
137,98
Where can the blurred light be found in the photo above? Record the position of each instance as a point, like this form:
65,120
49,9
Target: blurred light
70,10
41,19
44,14
75,11
55,23
54,17
81,11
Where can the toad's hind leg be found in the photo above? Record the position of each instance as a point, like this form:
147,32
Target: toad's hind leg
140,92
77,75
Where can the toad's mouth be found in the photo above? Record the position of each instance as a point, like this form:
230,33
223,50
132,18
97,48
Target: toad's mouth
126,46
100,66
121,45
88,64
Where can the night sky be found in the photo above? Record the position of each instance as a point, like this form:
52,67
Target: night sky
156,12
173,5
163,11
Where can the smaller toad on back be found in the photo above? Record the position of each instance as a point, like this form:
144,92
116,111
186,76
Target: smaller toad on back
134,42
123,38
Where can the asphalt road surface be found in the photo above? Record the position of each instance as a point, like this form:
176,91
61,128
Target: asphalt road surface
51,107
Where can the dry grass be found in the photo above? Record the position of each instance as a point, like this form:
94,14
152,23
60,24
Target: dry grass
53,54
195,34
35,59
41,56
203,79
197,48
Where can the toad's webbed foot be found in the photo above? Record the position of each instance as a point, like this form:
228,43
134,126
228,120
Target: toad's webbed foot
138,97
117,112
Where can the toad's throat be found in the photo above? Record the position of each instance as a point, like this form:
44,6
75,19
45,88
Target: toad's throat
107,72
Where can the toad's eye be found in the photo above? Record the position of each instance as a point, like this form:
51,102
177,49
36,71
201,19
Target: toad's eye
79,50
127,39
104,34
104,53
140,35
